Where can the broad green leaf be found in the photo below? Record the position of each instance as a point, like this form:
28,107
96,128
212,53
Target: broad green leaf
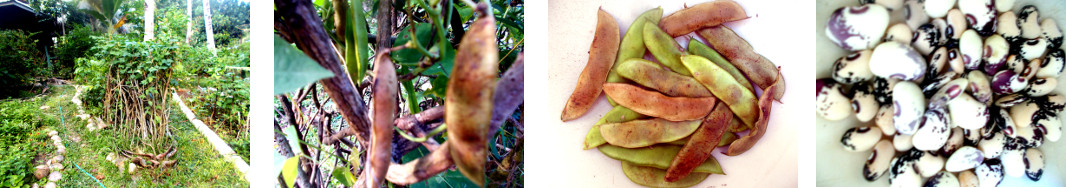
294,142
293,69
320,3
440,86
450,178
289,170
422,31
344,176
444,66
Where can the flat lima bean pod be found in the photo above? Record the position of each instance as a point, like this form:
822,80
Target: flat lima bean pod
657,156
380,153
653,76
664,48
702,15
658,105
618,114
468,105
633,44
760,70
700,144
653,177
641,133
724,86
744,144
696,47
602,55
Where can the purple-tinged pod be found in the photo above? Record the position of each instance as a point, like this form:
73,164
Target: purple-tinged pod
1007,25
970,45
897,60
864,102
832,103
964,158
995,55
1053,63
980,86
853,68
857,27
1033,48
1051,33
1029,22
878,161
967,112
980,14
883,120
1042,86
1034,163
990,173
934,133
1009,100
909,103
942,179
860,139
1006,82
899,32
926,37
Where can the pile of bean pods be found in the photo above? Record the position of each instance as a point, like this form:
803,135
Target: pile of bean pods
959,93
667,118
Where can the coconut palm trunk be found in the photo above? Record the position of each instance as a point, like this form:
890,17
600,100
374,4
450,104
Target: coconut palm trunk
188,25
149,20
208,28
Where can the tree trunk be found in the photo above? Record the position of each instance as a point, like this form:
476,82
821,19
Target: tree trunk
188,25
207,27
149,20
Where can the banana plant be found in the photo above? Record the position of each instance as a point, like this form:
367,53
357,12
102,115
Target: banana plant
105,11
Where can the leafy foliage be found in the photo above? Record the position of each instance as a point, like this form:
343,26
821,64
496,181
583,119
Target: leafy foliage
76,44
21,60
19,142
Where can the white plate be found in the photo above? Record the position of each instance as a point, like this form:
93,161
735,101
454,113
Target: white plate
837,167
770,163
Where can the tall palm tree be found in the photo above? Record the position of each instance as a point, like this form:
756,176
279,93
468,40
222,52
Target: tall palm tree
149,20
207,27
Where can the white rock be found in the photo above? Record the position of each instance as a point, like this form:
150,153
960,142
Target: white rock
50,185
55,176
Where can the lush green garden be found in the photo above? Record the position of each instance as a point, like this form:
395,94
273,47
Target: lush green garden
127,63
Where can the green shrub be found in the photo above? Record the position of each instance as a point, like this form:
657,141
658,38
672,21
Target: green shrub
19,142
75,44
20,60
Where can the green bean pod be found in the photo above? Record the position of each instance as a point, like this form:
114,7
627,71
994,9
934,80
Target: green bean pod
727,138
653,76
618,114
696,47
664,48
632,45
641,133
653,177
724,86
658,156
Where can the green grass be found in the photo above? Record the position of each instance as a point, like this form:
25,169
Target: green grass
198,165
